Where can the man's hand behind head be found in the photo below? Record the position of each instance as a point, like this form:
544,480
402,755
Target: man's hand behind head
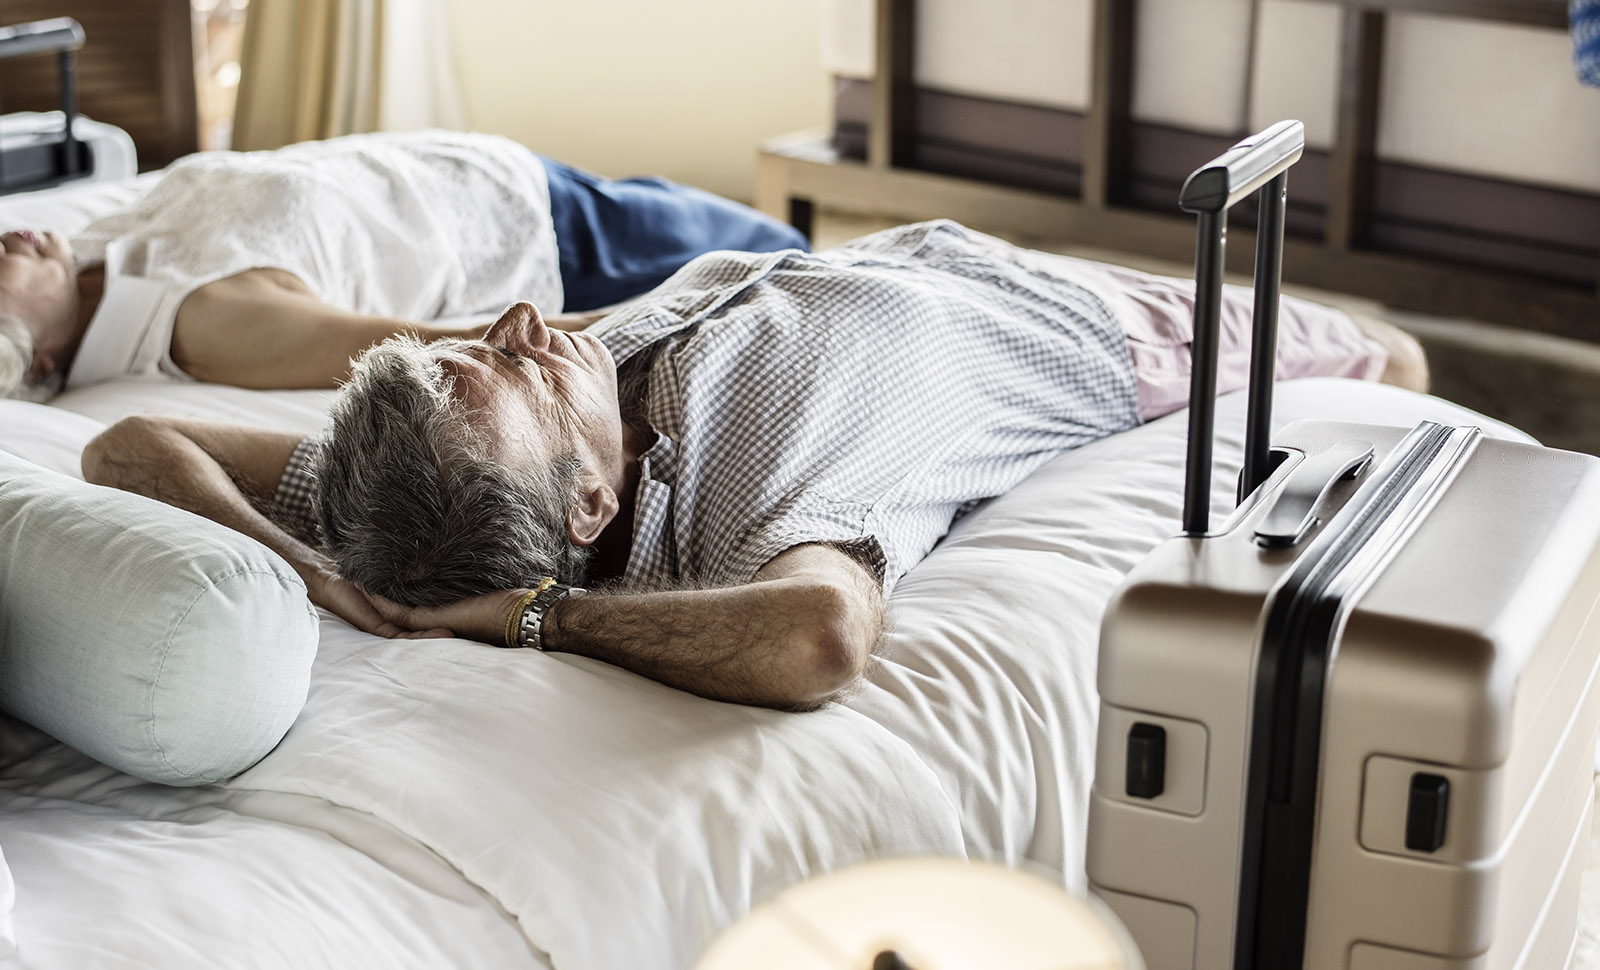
356,607
481,618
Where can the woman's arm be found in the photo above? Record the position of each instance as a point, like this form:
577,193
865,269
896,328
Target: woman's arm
576,321
264,328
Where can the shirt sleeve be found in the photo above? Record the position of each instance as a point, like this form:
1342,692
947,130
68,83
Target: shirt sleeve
866,552
294,504
836,527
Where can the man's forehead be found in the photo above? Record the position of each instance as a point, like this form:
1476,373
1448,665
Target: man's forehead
442,350
502,422
468,381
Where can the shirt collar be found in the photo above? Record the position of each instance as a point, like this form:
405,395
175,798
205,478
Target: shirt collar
651,556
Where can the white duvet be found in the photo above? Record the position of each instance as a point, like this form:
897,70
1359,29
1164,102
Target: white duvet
444,804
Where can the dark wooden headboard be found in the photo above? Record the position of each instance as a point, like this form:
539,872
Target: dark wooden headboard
1526,256
136,71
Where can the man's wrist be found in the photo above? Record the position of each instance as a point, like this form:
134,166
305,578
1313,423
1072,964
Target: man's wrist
551,632
509,628
315,573
525,623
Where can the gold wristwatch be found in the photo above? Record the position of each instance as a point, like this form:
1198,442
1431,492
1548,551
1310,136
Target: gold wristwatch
530,625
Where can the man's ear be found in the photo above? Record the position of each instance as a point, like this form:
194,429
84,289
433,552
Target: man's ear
596,506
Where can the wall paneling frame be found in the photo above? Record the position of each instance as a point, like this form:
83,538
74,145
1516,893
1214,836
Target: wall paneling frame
1446,242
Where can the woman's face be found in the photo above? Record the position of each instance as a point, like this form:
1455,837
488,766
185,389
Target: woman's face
38,285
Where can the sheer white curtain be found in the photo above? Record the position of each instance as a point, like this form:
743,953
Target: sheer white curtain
320,68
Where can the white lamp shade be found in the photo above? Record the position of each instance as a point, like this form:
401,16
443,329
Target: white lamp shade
936,914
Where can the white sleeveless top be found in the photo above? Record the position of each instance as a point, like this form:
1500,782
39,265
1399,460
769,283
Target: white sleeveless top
413,225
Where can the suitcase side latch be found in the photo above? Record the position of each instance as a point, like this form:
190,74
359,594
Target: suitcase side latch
1293,515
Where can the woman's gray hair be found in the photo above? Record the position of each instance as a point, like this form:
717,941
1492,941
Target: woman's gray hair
413,505
16,356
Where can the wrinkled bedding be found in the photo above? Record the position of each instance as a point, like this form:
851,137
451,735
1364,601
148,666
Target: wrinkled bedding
446,804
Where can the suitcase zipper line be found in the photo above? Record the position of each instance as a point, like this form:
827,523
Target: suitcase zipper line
1286,728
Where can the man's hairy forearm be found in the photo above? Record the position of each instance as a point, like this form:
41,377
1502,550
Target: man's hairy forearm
215,470
150,457
790,642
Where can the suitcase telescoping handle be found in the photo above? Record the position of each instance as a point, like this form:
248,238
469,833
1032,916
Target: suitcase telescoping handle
1259,163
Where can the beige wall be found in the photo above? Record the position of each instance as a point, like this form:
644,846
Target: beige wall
681,88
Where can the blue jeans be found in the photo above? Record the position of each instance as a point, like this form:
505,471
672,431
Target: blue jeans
620,237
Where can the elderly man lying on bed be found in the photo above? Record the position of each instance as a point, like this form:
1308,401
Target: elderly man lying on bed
744,461
210,274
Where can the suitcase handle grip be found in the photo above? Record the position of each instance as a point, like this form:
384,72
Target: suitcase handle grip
40,37
1293,515
1226,180
1258,164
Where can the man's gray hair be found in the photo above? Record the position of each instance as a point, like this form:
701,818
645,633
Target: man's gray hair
412,503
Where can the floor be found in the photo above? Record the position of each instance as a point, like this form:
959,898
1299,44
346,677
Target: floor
1546,386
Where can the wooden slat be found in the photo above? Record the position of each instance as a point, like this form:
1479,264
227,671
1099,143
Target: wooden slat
1106,136
136,70
775,195
1350,170
889,134
1533,13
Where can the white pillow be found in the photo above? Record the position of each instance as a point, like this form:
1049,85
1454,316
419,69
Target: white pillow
157,641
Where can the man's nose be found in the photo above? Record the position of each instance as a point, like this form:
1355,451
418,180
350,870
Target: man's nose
521,329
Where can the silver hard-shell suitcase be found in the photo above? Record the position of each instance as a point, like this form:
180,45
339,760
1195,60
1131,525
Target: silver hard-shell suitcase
1354,726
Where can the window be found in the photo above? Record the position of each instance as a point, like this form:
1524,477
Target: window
218,41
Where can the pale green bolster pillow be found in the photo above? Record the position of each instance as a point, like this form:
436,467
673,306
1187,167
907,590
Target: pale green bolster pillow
154,640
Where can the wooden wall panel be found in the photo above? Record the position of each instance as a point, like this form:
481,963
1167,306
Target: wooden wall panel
136,70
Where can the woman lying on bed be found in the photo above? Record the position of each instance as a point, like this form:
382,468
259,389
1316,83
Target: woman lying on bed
273,269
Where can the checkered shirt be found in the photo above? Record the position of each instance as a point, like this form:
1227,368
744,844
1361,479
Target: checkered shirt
861,397
294,503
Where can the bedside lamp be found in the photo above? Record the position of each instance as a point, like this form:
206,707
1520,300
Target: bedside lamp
925,914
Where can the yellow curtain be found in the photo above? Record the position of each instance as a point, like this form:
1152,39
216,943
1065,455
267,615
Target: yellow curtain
318,68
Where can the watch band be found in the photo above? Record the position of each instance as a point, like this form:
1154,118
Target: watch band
530,625
509,636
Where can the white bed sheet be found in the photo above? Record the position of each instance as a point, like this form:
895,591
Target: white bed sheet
614,821
449,804
446,804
